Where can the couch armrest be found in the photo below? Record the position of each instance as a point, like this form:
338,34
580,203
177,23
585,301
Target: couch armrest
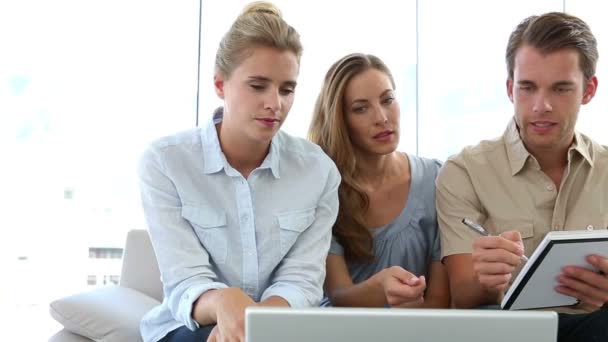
105,314
139,266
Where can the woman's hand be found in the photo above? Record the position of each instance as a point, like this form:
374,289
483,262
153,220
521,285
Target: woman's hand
400,286
230,313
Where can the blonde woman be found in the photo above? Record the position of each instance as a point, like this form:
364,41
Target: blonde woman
239,213
385,250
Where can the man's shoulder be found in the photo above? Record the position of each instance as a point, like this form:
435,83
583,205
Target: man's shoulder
600,151
480,154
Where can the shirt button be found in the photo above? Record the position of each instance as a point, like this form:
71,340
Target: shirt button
550,187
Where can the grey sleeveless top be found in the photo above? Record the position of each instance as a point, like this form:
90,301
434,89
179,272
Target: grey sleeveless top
412,239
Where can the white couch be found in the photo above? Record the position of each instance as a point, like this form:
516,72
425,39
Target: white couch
112,314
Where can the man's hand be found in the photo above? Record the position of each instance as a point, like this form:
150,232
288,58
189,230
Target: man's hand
587,286
495,258
400,286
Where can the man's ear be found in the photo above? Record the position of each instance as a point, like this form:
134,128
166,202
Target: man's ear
218,84
590,90
510,89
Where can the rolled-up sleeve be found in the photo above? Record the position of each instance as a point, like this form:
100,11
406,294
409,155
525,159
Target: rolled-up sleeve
456,199
183,262
300,275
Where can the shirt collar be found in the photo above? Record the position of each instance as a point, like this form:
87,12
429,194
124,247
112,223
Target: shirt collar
582,146
212,152
215,159
518,154
272,158
516,151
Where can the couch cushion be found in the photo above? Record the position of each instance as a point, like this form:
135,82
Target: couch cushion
109,314
66,336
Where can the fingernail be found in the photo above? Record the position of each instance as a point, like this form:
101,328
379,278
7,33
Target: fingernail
594,259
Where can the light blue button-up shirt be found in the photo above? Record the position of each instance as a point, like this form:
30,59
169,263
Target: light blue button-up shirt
211,228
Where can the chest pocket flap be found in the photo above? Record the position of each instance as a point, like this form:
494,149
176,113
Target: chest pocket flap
297,221
292,224
204,216
210,226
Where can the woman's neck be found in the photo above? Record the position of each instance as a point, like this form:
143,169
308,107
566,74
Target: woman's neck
375,170
241,153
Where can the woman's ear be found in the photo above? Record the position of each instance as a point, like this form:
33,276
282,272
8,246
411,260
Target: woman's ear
218,84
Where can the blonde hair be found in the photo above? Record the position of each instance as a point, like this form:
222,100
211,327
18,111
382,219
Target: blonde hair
328,130
259,24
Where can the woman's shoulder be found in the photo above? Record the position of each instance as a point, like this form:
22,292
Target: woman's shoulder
187,138
302,150
427,167
424,172
293,144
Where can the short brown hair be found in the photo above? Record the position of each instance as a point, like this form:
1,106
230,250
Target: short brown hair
551,32
260,24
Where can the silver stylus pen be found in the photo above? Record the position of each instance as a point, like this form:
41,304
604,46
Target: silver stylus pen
481,230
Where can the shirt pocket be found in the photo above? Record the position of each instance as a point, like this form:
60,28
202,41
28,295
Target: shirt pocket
292,224
596,223
210,227
526,229
527,235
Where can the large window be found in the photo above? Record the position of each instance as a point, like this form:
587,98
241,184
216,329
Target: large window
84,86
462,80
593,118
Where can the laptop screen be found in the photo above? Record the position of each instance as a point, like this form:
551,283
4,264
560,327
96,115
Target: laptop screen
264,324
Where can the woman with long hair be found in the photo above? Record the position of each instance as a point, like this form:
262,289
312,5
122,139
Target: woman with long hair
385,248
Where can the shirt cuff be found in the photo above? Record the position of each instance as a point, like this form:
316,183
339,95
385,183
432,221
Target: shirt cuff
290,293
184,311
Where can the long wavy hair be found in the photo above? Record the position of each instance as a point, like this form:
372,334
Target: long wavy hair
328,129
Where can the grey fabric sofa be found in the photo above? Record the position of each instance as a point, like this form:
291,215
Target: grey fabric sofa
112,314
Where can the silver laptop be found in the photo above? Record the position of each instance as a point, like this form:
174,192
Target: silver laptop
384,325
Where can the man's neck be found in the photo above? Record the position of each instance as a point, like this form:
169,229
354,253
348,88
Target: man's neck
553,163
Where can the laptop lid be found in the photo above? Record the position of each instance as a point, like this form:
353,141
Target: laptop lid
263,324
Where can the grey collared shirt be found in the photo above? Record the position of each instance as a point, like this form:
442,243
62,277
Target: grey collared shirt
211,228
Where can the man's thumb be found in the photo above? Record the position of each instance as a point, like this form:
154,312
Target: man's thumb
512,235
